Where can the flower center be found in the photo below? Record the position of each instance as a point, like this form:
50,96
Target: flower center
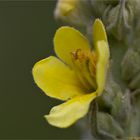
84,64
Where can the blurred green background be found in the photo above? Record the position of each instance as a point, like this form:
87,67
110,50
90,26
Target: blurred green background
26,34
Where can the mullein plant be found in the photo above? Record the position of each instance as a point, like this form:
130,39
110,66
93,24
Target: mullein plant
95,75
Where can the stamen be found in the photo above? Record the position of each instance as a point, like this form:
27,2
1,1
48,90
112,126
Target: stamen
84,64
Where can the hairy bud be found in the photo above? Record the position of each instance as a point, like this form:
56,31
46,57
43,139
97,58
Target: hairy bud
131,66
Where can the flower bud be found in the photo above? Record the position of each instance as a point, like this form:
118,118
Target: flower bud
75,12
130,64
64,7
117,15
105,126
119,19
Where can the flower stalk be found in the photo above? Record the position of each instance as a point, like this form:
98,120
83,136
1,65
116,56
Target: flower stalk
102,81
116,113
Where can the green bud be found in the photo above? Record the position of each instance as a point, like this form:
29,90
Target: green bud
119,19
121,109
104,125
131,66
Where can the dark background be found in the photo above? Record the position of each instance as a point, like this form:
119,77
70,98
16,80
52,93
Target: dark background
26,34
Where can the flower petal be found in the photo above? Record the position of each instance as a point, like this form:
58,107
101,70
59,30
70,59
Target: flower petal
67,40
99,32
102,51
69,112
56,79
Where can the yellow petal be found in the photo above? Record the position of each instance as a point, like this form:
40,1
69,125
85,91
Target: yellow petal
67,113
67,40
102,51
99,32
56,79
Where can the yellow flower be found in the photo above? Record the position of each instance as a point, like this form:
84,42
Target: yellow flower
65,6
78,77
73,11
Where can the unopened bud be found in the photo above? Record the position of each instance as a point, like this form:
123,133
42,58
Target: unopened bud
131,66
105,126
119,19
